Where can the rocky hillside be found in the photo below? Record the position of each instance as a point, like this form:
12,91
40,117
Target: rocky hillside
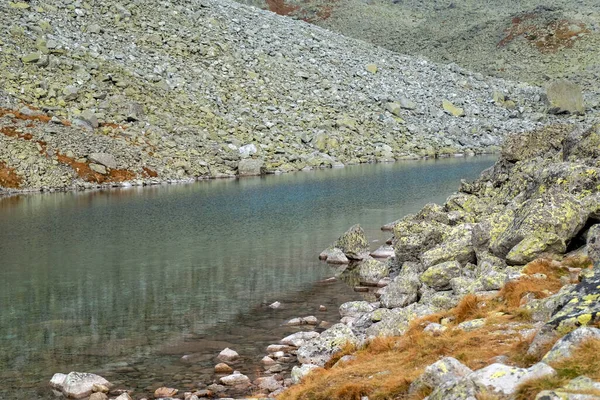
145,92
494,279
532,40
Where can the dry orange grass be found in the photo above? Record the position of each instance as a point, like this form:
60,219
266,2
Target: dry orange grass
385,367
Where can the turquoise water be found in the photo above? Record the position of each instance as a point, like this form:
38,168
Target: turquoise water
125,282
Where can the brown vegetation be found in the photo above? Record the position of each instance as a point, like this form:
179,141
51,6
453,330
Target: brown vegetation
8,177
84,171
547,37
385,367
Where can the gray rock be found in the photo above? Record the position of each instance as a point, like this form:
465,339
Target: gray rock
402,291
445,370
78,385
228,355
354,243
593,243
299,373
439,276
251,167
106,159
320,350
355,308
563,348
504,380
299,338
371,271
565,97
235,379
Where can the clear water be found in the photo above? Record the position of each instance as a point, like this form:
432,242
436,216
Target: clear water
126,282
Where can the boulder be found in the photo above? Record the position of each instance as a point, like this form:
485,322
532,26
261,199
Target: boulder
445,370
165,392
544,224
251,167
384,251
371,271
299,338
354,243
504,380
395,322
223,368
355,308
412,238
458,246
565,98
298,373
452,109
438,277
563,348
108,160
78,385
402,291
235,379
320,349
337,256
228,355
593,243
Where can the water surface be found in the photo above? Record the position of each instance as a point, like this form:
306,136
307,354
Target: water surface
126,282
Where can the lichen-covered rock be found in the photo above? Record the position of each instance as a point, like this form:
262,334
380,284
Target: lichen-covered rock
354,243
355,308
371,271
457,246
412,238
395,322
320,350
541,225
439,276
299,373
593,243
445,370
563,348
335,256
524,146
471,325
402,291
251,167
503,379
463,389
299,338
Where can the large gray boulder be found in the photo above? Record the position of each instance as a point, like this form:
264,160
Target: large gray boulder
77,385
565,98
108,160
439,276
442,371
564,347
458,246
402,291
504,380
251,167
544,224
413,238
320,350
354,243
371,271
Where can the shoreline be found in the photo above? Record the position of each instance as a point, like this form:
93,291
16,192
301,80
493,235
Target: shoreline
89,187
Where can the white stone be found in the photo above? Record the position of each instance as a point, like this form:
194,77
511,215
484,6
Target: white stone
228,355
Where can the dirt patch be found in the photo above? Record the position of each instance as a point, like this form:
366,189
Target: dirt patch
280,7
547,35
149,173
84,171
8,177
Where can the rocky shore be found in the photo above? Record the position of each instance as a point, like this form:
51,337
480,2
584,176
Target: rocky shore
132,94
508,256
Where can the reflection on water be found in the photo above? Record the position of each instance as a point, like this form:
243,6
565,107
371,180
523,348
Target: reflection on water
95,279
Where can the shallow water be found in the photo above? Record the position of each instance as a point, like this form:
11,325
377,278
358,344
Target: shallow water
126,282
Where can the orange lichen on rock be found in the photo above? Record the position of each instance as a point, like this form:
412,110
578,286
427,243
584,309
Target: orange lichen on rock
546,36
84,171
8,177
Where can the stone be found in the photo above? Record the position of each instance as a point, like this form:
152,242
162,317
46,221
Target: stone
504,380
319,350
223,368
57,381
435,329
267,361
248,150
78,385
372,68
458,246
355,308
98,396
126,396
268,383
471,325
452,109
275,305
31,58
337,256
438,276
100,388
165,392
299,338
251,167
228,355
299,373
353,243
563,348
101,169
383,252
445,370
235,379
565,98
106,159
402,291
593,243
371,271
